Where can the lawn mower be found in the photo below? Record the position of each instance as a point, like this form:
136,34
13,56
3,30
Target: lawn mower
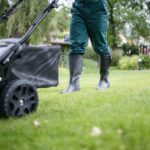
24,68
10,11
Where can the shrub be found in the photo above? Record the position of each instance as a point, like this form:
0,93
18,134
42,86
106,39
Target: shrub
133,48
90,64
128,62
90,54
123,63
116,56
146,61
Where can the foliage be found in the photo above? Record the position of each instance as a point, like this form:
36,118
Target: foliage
130,49
60,35
129,18
90,54
90,65
20,21
3,27
146,61
116,56
130,63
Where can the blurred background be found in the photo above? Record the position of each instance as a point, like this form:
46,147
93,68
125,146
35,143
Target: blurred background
128,35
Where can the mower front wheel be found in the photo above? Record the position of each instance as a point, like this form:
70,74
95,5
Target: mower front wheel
18,98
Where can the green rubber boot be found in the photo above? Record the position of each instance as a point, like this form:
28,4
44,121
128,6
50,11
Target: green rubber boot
104,72
75,66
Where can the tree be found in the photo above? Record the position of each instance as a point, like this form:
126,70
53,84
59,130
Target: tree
3,5
130,18
21,21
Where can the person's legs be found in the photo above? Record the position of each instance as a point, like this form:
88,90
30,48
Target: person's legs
97,29
78,40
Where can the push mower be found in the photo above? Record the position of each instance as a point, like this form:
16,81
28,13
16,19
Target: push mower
10,11
25,68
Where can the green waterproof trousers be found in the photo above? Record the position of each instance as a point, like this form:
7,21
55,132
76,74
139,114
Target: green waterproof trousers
89,20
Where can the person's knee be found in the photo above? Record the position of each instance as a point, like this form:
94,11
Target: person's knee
103,50
77,51
77,46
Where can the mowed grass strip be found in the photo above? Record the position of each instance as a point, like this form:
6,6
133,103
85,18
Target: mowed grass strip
65,122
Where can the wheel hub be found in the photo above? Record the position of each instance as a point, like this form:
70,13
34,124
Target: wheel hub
21,102
18,99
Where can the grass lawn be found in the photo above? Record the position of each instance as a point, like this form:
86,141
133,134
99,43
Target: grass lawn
122,114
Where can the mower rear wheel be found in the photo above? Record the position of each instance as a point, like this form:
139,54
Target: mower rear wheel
18,98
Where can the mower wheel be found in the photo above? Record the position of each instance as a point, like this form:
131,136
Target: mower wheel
18,98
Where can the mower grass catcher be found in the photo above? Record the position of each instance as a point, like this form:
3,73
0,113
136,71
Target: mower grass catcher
25,68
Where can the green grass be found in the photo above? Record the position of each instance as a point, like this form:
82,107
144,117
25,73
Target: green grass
121,112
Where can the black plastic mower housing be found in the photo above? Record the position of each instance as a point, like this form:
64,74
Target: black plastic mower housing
37,64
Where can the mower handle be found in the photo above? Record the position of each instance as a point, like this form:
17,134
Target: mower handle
38,20
54,3
15,46
8,12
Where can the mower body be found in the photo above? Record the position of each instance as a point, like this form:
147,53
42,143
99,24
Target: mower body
24,68
38,64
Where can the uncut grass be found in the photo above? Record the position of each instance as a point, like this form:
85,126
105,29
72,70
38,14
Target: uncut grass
121,112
